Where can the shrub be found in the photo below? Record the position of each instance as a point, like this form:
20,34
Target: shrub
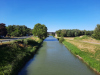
39,41
80,38
85,37
25,42
14,46
61,39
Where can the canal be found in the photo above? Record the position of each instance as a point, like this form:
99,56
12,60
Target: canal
53,58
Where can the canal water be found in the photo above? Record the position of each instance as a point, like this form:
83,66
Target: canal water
53,58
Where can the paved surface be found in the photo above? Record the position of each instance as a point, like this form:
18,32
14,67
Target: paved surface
15,38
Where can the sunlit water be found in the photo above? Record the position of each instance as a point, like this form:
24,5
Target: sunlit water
53,58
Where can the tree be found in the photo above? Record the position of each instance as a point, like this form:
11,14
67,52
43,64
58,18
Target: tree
73,32
18,30
58,33
40,31
3,30
63,32
96,33
15,33
9,30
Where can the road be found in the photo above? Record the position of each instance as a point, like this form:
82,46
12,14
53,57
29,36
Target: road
15,38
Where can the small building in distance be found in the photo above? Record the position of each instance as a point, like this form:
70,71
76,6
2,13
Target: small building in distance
55,35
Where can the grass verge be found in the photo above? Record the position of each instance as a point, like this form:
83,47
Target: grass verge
85,56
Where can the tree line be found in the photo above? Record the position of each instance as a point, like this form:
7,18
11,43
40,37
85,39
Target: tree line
76,32
72,32
14,30
39,30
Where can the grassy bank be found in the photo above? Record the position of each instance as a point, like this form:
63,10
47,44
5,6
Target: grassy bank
13,56
89,57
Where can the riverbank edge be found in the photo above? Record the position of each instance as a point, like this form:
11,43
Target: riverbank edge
28,58
79,56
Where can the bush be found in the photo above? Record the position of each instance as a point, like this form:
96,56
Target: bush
61,39
25,42
85,37
39,41
80,38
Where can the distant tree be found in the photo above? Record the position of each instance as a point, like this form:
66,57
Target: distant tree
96,33
3,30
73,32
63,32
15,33
18,30
58,33
9,30
40,31
69,33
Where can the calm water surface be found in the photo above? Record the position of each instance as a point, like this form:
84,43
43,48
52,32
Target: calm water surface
53,58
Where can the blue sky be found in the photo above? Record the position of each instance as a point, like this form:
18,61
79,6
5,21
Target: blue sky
55,14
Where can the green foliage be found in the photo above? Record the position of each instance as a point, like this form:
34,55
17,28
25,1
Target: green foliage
86,56
40,40
77,38
85,37
40,31
58,33
61,39
13,56
73,33
80,38
16,30
25,42
3,30
96,33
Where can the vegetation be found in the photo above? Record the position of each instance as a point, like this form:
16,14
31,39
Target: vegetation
61,39
13,56
89,53
3,30
40,31
18,30
73,33
96,33
80,38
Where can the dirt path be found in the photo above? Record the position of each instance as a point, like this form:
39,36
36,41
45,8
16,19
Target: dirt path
90,42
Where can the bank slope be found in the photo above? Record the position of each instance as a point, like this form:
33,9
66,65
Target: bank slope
85,56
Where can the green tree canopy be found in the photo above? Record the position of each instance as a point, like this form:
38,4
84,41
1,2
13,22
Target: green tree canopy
17,30
73,32
96,33
3,30
40,31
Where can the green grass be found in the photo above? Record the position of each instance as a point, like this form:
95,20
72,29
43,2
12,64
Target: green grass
80,38
13,56
91,61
